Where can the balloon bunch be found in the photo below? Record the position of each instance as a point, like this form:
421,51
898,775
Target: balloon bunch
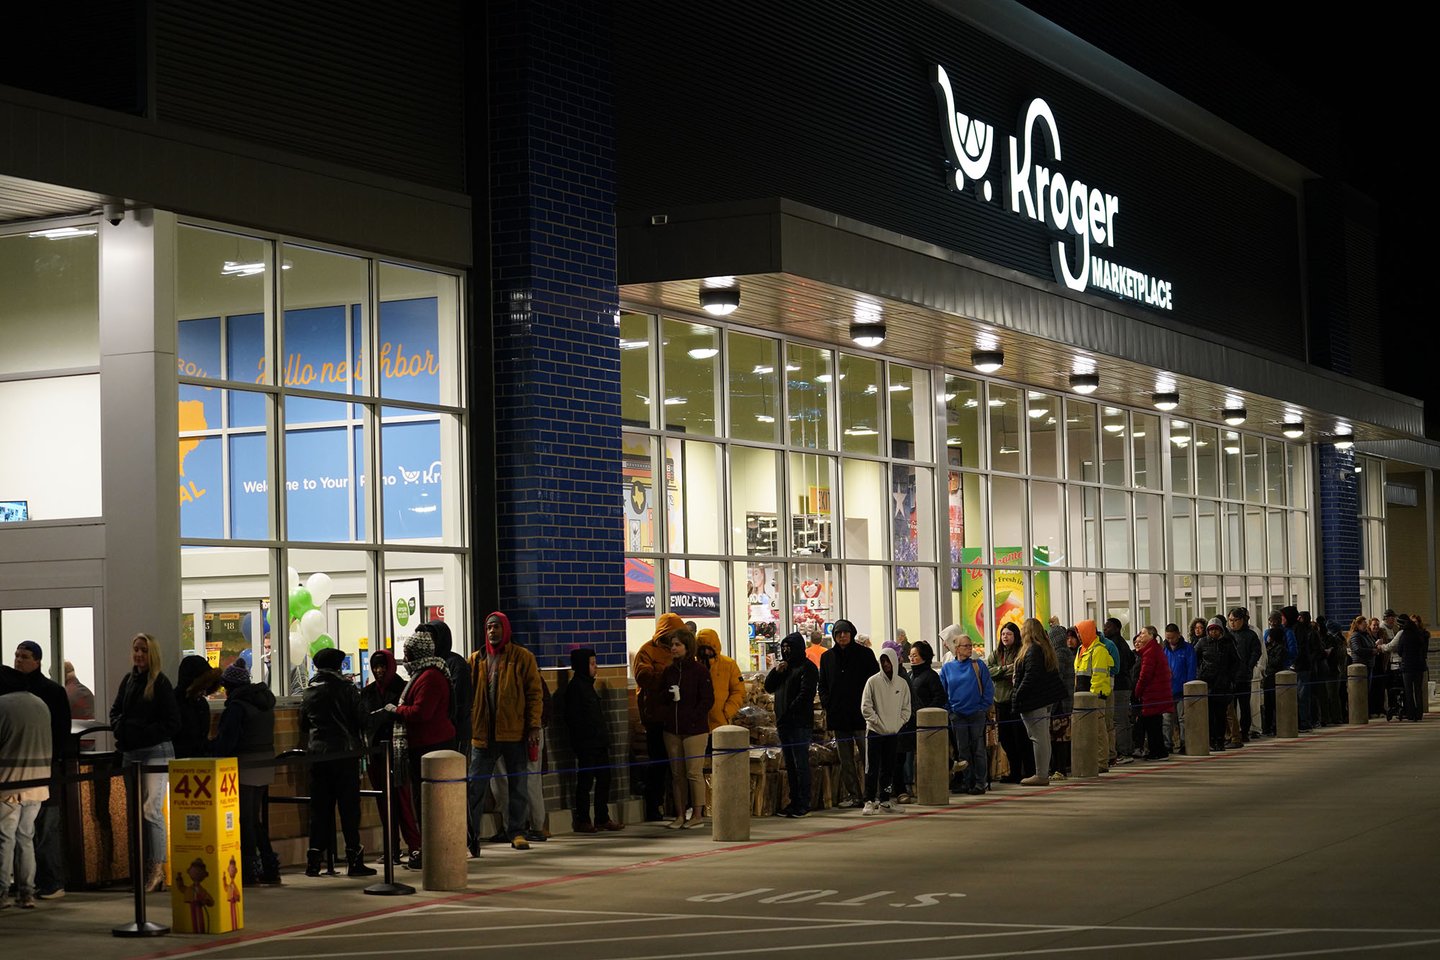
306,615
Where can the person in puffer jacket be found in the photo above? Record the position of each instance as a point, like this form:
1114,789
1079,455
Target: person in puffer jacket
885,705
1093,665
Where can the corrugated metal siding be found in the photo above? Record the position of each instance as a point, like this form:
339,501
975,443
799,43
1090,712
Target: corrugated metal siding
376,86
79,50
830,105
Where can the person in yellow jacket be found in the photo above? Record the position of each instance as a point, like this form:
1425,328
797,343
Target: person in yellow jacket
651,662
724,675
505,718
1093,667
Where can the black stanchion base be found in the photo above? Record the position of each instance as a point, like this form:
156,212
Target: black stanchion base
144,929
389,889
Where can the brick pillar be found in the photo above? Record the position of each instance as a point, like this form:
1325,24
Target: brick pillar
1339,528
557,358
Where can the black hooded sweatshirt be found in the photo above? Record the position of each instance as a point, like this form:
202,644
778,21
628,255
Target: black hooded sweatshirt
794,687
584,710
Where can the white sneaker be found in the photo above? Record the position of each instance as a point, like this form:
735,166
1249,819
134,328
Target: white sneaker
887,806
871,809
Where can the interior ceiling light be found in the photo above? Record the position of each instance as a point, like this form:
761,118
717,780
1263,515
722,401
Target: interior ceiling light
720,301
247,268
63,233
867,335
703,353
1294,429
1344,438
987,361
1234,416
1166,400
1084,383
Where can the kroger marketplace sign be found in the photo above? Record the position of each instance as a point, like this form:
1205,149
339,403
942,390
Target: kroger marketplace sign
1035,191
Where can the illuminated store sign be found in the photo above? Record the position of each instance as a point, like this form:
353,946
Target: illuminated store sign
1038,192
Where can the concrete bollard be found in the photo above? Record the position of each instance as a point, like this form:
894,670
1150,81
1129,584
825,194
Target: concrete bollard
932,756
1197,718
730,783
1086,729
442,812
1287,706
1357,687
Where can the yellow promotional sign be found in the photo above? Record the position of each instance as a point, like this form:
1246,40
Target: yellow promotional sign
205,893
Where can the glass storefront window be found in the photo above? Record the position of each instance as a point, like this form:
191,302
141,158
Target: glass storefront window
1080,431
637,453
235,622
808,377
1008,510
1207,460
1182,440
325,480
1149,603
1207,534
1145,449
1008,590
862,403
910,413
421,480
1275,472
1234,538
754,395
1047,523
1007,434
1044,413
865,509
967,523
915,605
1182,538
812,487
1116,504
690,368
754,514
1084,516
758,600
962,422
220,303
1296,470
866,595
1234,480
912,515
1112,446
327,326
442,578
637,370
1149,531
1254,469
1119,601
1299,542
1085,598
693,478
419,336
813,598
1254,538
56,480
1275,539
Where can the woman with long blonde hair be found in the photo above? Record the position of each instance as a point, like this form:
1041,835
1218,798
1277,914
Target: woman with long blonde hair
145,719
1037,689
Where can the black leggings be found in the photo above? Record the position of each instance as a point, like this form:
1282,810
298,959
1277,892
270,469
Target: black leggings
880,768
1014,741
334,783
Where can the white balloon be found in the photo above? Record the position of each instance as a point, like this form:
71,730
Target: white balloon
319,586
299,648
294,579
312,625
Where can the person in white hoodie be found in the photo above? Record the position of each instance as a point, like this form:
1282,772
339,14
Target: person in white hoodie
885,705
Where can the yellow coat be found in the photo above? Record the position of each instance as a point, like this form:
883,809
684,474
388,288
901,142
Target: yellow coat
729,690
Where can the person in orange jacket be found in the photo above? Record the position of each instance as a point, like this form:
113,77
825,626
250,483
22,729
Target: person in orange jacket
724,675
651,662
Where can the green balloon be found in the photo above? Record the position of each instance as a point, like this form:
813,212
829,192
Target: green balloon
300,603
322,642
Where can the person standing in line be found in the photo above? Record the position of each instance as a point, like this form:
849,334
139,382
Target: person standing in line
793,682
651,662
885,705
969,693
1094,671
1248,649
1361,646
590,742
1180,659
1061,717
49,837
195,681
1276,655
1009,729
384,688
946,647
926,690
144,719
1307,653
82,701
1154,692
843,671
26,753
457,672
1037,688
247,733
1122,745
686,727
1111,721
1410,646
423,711
506,721
1215,659
724,677
330,731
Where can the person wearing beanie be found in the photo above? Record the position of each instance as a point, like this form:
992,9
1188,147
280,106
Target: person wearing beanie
590,741
247,733
505,722
330,731
49,844
793,682
1215,659
649,666
926,690
423,712
724,676
844,668
384,688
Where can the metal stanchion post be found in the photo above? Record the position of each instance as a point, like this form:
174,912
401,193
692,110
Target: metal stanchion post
389,888
141,927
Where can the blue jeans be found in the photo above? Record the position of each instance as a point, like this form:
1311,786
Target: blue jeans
153,806
17,846
482,764
969,730
795,747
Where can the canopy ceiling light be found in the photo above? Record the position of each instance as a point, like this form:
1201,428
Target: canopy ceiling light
1344,438
720,301
987,361
1085,383
1166,400
1293,427
1234,416
867,334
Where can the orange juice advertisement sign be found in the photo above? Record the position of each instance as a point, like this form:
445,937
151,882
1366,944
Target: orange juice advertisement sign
1009,599
205,889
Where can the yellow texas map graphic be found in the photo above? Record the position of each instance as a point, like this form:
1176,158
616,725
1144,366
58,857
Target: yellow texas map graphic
192,417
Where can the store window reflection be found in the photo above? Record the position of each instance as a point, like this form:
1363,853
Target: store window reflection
862,401
754,387
1007,431
637,381
809,376
962,422
689,355
1043,412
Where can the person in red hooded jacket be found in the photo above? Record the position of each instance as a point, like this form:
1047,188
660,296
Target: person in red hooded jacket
505,720
1152,692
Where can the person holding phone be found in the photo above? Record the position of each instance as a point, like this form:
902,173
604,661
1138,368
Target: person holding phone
686,723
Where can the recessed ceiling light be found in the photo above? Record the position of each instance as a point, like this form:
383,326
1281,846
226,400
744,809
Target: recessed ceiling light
997,403
867,335
720,301
987,361
1084,383
1037,412
1165,401
703,353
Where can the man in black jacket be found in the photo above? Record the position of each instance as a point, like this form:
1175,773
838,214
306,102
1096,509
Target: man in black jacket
330,730
1124,745
1215,660
247,733
590,741
49,843
1247,649
844,668
793,681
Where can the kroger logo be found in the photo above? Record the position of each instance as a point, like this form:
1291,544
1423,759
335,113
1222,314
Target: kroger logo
1033,190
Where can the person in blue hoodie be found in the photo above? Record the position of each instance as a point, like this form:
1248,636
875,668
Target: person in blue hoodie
1181,655
970,693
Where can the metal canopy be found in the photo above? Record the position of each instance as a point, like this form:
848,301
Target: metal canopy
28,200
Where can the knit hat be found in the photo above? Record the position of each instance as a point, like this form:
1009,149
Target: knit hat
665,624
331,658
33,647
235,675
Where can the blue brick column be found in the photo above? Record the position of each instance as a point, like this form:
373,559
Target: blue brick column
1339,526
557,357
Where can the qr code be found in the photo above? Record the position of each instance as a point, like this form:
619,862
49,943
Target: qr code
192,823
229,821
